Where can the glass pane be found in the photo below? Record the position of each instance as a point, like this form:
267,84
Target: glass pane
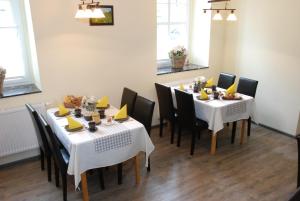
162,13
163,42
168,39
162,1
178,12
6,14
178,35
179,1
11,56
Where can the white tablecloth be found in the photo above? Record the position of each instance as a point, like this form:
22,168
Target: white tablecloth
109,145
218,112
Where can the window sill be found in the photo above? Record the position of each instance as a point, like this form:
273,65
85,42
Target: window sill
168,69
20,90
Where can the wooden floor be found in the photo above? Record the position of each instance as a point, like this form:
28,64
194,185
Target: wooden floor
262,169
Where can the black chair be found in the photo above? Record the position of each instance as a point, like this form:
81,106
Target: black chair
43,143
296,196
248,87
225,80
143,112
187,117
298,177
166,108
128,97
60,155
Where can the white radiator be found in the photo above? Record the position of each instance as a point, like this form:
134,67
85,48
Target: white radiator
17,133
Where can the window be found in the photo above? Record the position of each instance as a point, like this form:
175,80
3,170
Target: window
172,26
183,22
16,50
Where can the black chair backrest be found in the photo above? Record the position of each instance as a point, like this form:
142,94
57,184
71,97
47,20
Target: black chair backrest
53,143
165,101
225,80
247,86
43,143
128,97
143,112
185,109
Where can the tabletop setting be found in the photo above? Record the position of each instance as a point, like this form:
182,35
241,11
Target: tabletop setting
87,126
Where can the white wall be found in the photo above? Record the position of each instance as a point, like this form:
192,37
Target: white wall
264,45
75,58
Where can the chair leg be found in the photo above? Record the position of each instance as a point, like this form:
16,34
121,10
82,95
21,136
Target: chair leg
179,136
161,127
49,168
64,182
249,126
42,159
120,167
233,132
101,179
149,165
56,170
172,132
193,142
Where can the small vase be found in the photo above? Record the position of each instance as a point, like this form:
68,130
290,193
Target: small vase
1,84
178,61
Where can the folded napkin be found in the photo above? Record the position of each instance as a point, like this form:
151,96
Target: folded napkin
181,87
203,95
73,124
231,90
210,82
103,102
122,113
62,110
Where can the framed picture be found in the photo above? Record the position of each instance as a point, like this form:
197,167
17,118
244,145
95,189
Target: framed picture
107,20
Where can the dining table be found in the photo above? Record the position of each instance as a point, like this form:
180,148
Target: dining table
217,112
112,143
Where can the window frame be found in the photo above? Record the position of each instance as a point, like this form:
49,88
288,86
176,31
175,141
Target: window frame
19,13
166,62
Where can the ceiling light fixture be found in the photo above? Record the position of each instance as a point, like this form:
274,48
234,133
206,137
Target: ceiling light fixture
218,16
88,10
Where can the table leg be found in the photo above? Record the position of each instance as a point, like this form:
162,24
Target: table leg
137,170
213,144
85,192
242,131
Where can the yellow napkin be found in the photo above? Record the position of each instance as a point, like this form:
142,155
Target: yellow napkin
73,124
231,90
103,102
203,95
62,110
181,87
122,113
210,82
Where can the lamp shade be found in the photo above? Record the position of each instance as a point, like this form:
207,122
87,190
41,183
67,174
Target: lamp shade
232,17
80,14
218,16
98,13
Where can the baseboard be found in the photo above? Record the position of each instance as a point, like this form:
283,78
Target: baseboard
19,157
276,130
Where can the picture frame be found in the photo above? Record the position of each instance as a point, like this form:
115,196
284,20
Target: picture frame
108,11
